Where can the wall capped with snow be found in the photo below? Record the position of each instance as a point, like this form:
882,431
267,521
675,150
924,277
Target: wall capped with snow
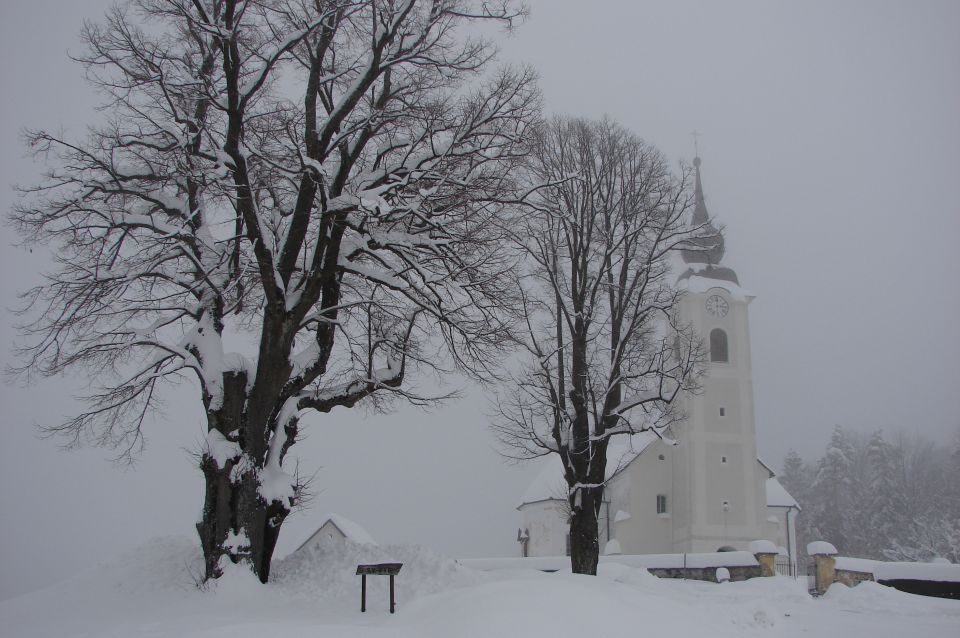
926,579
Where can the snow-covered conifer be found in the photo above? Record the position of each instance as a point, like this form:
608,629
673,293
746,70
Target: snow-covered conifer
830,492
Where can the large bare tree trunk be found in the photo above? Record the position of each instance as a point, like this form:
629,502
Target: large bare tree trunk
238,522
585,532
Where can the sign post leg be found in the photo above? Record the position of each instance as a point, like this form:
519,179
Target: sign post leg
363,593
392,604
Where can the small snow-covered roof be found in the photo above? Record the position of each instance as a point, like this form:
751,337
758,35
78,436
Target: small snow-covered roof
762,547
549,483
352,531
821,547
770,471
778,496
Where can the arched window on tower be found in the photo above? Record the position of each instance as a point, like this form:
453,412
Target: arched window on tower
719,351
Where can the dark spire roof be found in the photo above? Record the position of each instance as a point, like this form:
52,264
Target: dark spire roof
711,245
700,205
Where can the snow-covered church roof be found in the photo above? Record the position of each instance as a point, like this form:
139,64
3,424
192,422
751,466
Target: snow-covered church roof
778,496
550,484
699,278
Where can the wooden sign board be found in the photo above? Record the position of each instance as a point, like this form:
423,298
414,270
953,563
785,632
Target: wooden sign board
382,569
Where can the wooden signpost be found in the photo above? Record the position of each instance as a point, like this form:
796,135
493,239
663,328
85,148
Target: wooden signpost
383,569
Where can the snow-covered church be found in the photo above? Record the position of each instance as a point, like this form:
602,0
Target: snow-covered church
708,493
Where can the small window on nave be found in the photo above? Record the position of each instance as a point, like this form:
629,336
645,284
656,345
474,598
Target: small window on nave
718,346
661,503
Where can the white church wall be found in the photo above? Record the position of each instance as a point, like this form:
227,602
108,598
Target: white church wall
792,533
646,531
546,523
777,526
726,505
781,528
760,476
722,406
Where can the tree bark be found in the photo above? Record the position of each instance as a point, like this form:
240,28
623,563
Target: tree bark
585,532
236,521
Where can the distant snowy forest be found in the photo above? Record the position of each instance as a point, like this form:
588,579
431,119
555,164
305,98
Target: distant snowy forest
894,498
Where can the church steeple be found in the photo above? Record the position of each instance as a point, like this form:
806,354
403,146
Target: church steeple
700,205
705,261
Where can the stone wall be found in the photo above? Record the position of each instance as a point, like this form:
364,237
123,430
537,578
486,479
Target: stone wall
850,578
740,565
708,574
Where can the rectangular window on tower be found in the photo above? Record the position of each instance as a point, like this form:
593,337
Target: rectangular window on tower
661,503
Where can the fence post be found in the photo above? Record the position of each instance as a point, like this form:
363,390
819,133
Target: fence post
824,564
766,554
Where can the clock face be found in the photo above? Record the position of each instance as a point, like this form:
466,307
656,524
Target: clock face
717,306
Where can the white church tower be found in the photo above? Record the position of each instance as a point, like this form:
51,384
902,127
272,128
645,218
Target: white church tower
719,487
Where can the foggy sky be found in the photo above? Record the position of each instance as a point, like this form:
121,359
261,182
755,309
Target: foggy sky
831,153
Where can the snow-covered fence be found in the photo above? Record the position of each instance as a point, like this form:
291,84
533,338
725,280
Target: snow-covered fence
927,579
760,561
785,566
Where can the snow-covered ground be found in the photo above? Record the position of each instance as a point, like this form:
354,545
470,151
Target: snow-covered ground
152,593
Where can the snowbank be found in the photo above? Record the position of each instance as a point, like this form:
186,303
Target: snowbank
874,598
325,572
153,592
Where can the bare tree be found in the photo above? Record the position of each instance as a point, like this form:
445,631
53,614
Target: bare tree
607,357
314,177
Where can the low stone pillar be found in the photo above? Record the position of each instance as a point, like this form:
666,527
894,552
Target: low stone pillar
825,564
766,554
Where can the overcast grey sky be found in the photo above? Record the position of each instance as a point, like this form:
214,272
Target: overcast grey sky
831,153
